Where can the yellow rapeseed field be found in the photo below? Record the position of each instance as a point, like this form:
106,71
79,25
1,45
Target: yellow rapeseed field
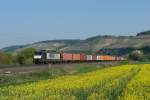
125,82
139,87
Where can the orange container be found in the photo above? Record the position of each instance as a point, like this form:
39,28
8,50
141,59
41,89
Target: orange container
101,57
67,56
109,58
76,56
106,57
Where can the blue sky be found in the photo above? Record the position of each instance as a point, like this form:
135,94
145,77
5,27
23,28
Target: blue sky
27,21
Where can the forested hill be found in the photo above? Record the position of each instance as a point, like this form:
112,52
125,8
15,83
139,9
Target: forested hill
90,44
144,33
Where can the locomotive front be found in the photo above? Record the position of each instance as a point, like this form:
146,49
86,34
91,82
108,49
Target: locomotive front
39,57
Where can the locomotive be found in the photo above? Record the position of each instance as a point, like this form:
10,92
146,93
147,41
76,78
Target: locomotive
46,56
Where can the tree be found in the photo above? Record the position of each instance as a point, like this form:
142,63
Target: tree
2,57
148,56
28,52
25,56
20,59
6,58
137,55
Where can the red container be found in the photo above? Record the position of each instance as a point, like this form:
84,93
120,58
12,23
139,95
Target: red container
67,56
76,56
83,57
94,57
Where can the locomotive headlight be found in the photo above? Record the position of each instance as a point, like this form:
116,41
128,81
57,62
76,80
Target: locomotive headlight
37,57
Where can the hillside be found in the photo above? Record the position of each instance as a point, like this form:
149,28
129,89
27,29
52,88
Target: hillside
13,48
144,33
90,44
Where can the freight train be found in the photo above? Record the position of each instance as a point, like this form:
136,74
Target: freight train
44,57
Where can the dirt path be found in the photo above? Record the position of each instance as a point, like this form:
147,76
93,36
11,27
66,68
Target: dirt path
22,69
35,68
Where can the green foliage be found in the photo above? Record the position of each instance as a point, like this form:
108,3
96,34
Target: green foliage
148,56
144,33
28,52
82,68
145,49
49,73
25,56
137,55
20,59
5,58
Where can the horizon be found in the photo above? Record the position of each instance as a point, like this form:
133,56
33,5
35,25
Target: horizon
68,39
25,22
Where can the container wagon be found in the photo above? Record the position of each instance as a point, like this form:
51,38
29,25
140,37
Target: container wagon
76,57
44,56
67,57
83,57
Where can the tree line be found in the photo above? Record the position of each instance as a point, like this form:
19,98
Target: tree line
23,57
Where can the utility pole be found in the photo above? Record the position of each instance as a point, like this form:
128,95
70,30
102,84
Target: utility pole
50,69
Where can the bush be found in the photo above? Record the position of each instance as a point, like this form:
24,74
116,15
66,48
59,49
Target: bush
137,55
20,59
25,56
148,57
5,58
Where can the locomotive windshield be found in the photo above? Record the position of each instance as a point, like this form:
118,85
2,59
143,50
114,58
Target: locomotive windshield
38,53
42,52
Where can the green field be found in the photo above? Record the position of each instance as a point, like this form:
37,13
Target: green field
124,82
49,73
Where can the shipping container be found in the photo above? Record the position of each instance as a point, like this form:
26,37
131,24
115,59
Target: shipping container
101,57
109,58
94,57
83,57
98,57
117,58
113,58
76,56
89,57
67,56
122,58
53,56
